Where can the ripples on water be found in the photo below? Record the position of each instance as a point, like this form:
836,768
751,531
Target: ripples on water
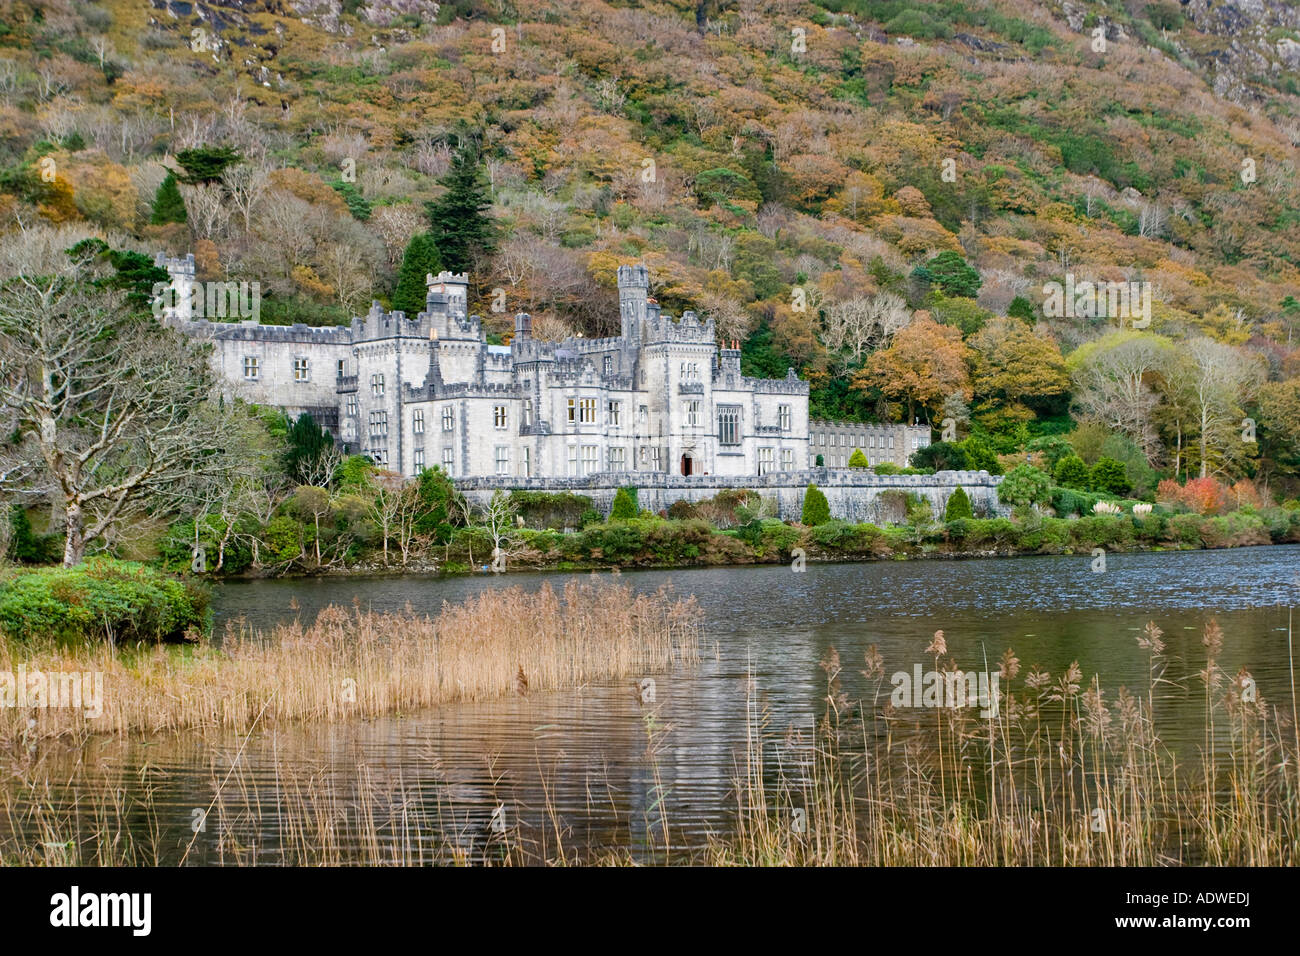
580,761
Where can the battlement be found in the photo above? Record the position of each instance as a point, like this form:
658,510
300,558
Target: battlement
176,265
790,385
253,332
688,330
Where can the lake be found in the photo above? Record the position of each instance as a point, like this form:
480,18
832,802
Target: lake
592,768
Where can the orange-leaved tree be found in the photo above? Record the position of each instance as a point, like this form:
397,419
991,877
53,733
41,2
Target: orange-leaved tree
924,364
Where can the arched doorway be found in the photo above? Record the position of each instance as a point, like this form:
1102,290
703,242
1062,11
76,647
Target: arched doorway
688,464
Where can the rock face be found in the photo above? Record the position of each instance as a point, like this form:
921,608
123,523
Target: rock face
1256,38
1239,44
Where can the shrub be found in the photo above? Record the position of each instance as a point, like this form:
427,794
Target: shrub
981,455
816,509
941,456
887,468
857,459
625,505
103,598
1025,486
958,506
1109,475
1071,472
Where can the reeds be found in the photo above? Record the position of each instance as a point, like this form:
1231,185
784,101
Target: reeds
352,663
1062,776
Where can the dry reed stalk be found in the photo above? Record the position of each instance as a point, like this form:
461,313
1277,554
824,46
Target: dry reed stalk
353,663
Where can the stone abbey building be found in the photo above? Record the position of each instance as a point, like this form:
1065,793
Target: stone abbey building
414,392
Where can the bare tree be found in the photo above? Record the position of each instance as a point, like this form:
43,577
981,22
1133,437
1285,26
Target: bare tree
498,517
1222,378
112,409
246,185
392,505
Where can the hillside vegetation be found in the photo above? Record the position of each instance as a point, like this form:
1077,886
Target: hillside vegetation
875,193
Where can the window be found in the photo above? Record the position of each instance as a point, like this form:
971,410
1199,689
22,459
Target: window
376,385
419,461
615,413
891,442
783,417
526,463
656,458
342,367
378,424
787,459
380,455
352,406
643,414
573,461
729,425
609,366
503,459
499,419
616,457
252,367
573,410
447,459
302,370
590,459
765,460
692,414
587,411
528,411
417,421
690,371
448,419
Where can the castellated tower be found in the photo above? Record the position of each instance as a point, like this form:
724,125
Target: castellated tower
633,291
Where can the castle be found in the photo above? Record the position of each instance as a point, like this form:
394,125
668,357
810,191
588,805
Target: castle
414,392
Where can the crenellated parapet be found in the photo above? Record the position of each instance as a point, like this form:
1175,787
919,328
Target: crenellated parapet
792,384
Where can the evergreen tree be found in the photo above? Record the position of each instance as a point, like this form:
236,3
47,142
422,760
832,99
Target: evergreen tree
304,445
951,274
458,219
816,509
1071,472
1109,475
625,505
206,163
420,260
958,506
857,459
168,206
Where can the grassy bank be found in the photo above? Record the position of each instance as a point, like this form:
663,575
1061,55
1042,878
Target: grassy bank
350,663
667,543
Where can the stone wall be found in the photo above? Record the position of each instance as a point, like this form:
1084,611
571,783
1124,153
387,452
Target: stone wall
853,494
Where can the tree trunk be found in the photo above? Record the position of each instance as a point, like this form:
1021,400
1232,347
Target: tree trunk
74,545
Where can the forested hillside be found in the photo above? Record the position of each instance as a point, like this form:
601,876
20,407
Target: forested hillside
875,193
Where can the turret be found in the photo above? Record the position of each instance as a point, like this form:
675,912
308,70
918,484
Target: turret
633,293
453,285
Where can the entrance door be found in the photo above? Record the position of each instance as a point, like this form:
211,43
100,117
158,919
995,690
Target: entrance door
687,464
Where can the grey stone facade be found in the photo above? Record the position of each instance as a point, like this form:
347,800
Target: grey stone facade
835,442
412,392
